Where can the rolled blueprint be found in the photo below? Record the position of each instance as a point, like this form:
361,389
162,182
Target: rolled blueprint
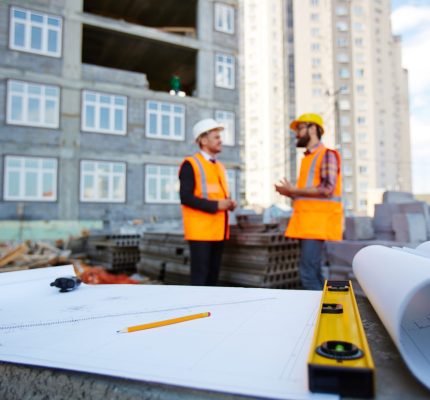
397,283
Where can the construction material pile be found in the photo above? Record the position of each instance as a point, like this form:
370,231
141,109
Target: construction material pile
114,252
257,255
28,255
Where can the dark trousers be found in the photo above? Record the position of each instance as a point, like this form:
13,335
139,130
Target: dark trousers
310,264
205,262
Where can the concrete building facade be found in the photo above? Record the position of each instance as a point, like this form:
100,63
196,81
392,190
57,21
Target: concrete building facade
87,125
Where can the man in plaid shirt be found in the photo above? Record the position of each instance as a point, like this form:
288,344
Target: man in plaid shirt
317,207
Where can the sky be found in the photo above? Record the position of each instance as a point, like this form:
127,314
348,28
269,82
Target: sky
411,20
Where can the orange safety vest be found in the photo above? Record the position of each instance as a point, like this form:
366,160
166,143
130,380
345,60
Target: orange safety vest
210,183
316,218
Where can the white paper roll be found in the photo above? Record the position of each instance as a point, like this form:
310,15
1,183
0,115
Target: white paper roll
397,283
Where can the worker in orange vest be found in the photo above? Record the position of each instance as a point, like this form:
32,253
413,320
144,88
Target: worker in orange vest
317,206
205,203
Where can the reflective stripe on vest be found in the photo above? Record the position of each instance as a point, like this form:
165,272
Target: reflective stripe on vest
203,181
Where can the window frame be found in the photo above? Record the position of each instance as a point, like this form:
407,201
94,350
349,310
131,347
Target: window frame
225,123
112,108
159,116
45,27
40,170
25,97
231,177
173,179
223,81
111,176
227,11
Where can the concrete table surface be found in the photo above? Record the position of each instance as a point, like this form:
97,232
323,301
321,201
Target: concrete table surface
18,382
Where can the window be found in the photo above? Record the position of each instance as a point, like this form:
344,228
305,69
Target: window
35,32
342,42
361,105
362,154
346,154
363,186
347,169
102,181
358,42
30,179
348,186
224,18
344,89
344,73
342,26
315,32
315,47
358,10
360,89
161,184
361,120
341,11
316,62
32,104
165,120
345,120
344,105
104,113
358,26
314,3
342,58
224,71
231,182
359,72
362,169
227,119
315,17
316,77
316,92
346,137
362,137
362,203
359,57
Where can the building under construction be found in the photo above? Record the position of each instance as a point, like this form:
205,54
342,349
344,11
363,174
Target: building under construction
97,102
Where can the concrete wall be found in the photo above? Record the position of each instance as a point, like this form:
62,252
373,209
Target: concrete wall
70,145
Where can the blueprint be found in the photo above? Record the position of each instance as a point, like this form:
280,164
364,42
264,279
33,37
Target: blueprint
256,341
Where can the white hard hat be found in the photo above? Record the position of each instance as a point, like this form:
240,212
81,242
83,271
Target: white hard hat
205,125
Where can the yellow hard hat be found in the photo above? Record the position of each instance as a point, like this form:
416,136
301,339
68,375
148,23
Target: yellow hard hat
310,119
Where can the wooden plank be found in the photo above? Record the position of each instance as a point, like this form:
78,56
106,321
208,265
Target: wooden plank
13,254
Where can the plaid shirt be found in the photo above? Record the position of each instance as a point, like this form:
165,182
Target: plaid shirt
329,171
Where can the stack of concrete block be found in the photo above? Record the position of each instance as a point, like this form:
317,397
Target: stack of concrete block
257,255
115,252
165,257
400,218
359,228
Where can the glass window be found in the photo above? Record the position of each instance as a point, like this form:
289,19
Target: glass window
32,104
344,89
315,47
362,154
361,120
362,169
342,58
224,18
344,105
102,181
342,26
30,179
346,137
227,119
231,182
35,32
344,73
161,184
345,120
165,120
224,71
341,10
359,72
342,42
103,113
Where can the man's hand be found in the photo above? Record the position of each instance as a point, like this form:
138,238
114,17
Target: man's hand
226,204
285,188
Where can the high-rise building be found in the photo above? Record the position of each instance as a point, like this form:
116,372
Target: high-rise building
337,58
87,124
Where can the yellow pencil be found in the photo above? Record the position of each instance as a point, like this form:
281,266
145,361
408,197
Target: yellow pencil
163,323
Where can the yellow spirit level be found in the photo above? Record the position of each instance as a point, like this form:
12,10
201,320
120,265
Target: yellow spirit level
340,360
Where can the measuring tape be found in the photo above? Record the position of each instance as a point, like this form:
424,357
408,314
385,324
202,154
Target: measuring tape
340,360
